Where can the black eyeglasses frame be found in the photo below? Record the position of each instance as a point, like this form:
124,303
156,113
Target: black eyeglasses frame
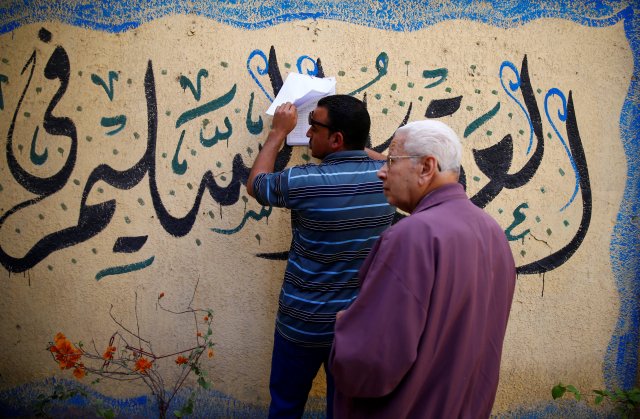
312,121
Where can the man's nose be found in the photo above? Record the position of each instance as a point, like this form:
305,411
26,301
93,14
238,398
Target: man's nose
382,173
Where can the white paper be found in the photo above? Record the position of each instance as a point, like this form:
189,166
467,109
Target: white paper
304,92
298,136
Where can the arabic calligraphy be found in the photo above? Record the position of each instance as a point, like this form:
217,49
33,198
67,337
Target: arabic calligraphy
497,163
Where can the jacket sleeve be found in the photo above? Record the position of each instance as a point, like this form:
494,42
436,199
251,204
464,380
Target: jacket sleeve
377,338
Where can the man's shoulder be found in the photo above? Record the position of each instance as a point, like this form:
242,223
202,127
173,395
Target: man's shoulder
407,226
337,167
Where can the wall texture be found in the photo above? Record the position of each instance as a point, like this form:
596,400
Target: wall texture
129,130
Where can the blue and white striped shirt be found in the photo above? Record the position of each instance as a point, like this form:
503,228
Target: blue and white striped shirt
338,211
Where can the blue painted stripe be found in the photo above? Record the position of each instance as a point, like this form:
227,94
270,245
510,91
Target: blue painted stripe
109,16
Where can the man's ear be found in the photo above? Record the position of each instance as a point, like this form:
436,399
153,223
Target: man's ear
337,141
429,166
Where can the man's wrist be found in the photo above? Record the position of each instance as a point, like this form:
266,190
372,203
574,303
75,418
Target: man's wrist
277,135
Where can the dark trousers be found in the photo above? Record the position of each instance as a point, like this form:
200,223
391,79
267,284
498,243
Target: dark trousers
293,368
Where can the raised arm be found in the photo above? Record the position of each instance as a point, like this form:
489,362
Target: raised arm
284,121
374,154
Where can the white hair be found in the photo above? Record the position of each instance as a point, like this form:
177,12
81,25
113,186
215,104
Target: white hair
433,138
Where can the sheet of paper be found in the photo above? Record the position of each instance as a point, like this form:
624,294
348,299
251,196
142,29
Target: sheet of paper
304,91
299,134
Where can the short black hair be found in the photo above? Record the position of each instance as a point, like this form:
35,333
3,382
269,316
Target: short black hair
349,116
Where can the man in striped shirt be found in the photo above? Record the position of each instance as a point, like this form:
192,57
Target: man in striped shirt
338,211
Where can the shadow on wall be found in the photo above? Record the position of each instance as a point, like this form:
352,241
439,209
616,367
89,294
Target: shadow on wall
20,402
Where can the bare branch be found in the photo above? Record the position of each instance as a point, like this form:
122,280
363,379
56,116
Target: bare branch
180,352
122,361
193,296
137,321
122,326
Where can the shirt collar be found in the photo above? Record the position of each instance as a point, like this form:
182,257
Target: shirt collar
343,155
442,194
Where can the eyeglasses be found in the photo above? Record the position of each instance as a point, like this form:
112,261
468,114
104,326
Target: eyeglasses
390,159
320,124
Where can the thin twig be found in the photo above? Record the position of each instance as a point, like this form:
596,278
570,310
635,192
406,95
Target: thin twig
193,296
124,328
190,310
178,353
137,321
140,351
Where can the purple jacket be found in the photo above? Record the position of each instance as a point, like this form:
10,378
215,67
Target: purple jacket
424,337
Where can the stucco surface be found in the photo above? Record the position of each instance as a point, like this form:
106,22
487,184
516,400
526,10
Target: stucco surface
562,319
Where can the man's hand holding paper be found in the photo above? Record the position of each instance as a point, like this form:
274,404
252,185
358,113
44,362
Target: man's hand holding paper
303,91
284,119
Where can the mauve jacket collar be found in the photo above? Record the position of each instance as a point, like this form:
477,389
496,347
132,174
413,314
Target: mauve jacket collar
442,194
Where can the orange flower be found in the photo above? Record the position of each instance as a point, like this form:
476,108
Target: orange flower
67,355
79,371
206,318
210,353
161,295
143,364
181,360
199,334
108,354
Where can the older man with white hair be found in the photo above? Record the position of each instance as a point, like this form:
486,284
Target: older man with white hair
424,337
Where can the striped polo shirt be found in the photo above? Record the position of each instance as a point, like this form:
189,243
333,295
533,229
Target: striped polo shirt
338,211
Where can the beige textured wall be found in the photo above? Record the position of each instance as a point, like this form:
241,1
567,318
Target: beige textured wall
561,322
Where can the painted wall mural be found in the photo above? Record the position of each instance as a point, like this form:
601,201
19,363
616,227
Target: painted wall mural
129,132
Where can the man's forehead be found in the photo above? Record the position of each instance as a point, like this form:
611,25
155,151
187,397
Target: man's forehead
320,113
397,143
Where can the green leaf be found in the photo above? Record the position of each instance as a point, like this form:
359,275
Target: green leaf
575,391
599,399
106,413
558,391
177,413
188,408
204,383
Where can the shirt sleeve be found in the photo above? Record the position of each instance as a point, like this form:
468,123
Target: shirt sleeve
377,338
272,188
